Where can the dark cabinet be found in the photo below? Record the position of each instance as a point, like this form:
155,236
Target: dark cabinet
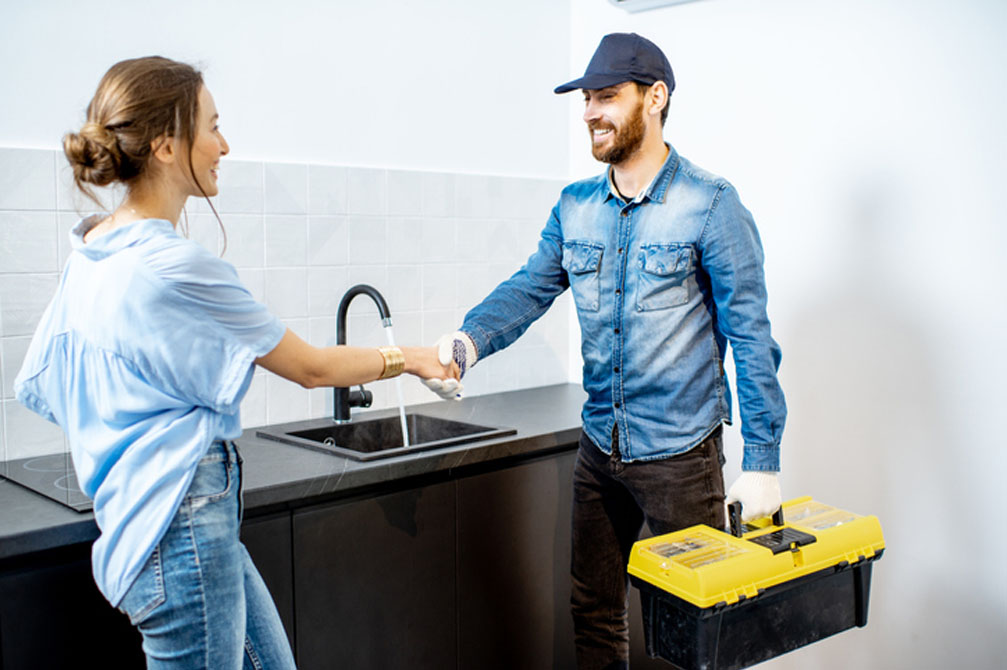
53,616
514,567
268,542
374,581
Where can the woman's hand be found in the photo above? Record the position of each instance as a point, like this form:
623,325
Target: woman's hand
423,362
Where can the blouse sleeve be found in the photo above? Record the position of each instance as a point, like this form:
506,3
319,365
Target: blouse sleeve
214,329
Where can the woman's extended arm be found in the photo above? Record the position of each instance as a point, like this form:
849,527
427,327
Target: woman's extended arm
342,365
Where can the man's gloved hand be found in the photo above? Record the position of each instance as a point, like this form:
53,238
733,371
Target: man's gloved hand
758,493
447,389
457,347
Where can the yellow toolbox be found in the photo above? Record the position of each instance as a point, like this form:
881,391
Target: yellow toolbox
714,600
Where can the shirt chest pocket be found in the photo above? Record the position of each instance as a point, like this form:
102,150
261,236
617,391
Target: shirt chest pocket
664,281
582,262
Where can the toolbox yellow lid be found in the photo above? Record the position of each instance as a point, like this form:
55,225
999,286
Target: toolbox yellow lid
706,566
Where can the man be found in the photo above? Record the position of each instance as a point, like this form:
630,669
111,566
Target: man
665,266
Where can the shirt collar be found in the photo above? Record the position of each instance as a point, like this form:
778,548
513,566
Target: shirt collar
114,240
658,188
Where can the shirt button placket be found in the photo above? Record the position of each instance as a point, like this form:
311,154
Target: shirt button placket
622,234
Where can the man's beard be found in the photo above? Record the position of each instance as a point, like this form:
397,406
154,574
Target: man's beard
626,140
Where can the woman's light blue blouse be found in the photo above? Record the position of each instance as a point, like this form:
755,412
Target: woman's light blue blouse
142,357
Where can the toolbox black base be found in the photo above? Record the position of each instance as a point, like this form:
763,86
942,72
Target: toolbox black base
778,620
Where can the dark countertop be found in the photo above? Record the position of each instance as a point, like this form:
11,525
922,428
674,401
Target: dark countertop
278,475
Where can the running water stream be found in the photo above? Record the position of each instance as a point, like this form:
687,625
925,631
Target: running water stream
398,389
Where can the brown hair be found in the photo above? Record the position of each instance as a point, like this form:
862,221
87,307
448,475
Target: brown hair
137,101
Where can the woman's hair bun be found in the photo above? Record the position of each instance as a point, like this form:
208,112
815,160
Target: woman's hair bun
94,154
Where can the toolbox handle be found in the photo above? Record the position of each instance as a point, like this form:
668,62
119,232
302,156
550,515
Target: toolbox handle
734,516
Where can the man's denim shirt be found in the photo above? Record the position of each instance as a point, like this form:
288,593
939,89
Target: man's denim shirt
661,285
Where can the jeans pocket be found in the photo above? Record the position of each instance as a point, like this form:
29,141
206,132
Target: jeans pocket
212,481
147,592
582,262
665,270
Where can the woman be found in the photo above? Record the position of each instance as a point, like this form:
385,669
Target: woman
143,358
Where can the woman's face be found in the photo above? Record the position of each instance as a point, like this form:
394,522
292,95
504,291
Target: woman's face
207,146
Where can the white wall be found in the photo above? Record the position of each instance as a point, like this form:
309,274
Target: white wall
440,140
448,85
867,137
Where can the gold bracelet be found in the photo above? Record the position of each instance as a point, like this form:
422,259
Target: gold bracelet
395,362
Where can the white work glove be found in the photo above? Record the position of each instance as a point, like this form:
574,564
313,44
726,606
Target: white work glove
457,347
758,493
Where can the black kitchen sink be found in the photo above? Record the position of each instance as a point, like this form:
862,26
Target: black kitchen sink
370,439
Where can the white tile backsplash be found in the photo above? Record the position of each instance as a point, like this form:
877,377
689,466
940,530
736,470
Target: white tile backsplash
322,330
405,192
367,242
438,196
286,401
28,434
408,329
241,187
326,189
320,402
437,240
436,322
404,288
286,241
472,196
403,240
367,191
365,330
434,244
12,351
326,286
24,297
440,287
27,179
287,292
65,221
253,406
327,240
285,188
203,229
28,241
246,246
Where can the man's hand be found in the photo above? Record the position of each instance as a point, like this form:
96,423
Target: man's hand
447,389
758,493
458,349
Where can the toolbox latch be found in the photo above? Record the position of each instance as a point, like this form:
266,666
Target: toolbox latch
785,539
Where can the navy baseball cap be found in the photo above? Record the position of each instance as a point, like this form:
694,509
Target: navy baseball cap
623,57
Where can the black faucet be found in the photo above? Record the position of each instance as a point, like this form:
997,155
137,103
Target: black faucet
343,398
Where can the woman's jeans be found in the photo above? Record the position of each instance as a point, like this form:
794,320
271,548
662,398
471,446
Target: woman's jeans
199,601
611,500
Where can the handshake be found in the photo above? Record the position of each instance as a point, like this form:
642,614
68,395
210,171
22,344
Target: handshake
457,348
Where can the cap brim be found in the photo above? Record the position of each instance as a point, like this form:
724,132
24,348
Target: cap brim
593,82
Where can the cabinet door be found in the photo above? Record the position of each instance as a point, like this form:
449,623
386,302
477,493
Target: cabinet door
514,567
375,581
53,616
268,542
